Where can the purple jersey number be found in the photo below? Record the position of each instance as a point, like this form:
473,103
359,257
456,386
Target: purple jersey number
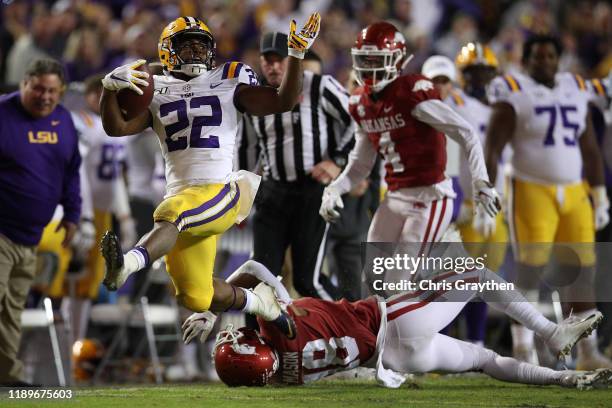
566,122
195,139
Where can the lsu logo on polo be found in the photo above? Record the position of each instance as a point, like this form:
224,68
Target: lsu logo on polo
42,137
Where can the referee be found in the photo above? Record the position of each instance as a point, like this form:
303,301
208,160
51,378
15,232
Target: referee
300,151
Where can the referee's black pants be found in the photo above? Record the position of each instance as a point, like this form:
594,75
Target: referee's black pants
288,214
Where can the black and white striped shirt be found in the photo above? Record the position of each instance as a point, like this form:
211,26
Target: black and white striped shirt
289,144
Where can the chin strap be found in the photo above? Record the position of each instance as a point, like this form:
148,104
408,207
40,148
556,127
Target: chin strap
193,70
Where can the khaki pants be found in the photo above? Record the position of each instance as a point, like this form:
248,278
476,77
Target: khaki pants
17,270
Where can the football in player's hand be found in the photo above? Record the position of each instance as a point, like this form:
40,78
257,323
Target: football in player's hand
130,102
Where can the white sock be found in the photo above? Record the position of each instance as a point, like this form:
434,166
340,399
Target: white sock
512,370
517,306
521,336
133,261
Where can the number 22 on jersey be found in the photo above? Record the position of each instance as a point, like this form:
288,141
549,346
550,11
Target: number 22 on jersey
184,110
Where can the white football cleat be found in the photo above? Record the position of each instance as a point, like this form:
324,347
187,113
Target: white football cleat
270,310
114,275
569,331
588,380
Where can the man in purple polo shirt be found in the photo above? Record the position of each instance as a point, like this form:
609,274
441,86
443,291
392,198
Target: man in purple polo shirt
39,169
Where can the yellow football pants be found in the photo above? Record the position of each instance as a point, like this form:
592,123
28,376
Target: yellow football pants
541,214
200,213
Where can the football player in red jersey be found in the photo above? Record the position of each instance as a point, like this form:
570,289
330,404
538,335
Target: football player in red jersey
402,118
396,335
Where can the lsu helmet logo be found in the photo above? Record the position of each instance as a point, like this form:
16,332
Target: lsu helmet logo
422,85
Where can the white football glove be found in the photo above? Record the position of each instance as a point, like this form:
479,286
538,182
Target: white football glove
486,198
601,207
126,76
329,202
127,229
198,324
299,43
84,239
483,223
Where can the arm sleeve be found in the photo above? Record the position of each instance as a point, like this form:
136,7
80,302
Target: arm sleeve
361,161
442,118
262,273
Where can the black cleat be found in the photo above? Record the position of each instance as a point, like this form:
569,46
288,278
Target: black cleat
113,258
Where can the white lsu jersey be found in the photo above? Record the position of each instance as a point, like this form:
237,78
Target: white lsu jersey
103,159
478,115
549,123
196,122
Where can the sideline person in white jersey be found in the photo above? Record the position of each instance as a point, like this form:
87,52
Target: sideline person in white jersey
195,112
544,116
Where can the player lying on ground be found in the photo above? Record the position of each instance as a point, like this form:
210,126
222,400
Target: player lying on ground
400,333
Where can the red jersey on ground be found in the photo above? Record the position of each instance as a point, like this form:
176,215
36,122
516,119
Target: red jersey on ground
414,152
334,336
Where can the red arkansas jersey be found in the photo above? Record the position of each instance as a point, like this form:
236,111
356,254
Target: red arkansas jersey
332,337
414,152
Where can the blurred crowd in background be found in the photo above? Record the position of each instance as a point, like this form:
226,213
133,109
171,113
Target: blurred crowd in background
92,36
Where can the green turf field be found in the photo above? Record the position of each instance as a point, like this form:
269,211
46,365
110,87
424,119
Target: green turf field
423,392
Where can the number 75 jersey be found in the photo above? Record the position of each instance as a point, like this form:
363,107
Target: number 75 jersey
549,123
196,122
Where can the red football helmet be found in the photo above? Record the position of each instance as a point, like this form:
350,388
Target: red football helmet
242,358
379,55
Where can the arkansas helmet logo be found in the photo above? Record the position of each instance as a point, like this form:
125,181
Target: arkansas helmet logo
422,85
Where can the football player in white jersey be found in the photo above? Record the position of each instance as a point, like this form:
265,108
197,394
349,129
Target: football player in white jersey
544,116
195,112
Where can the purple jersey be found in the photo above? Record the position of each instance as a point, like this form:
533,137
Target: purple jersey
39,169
